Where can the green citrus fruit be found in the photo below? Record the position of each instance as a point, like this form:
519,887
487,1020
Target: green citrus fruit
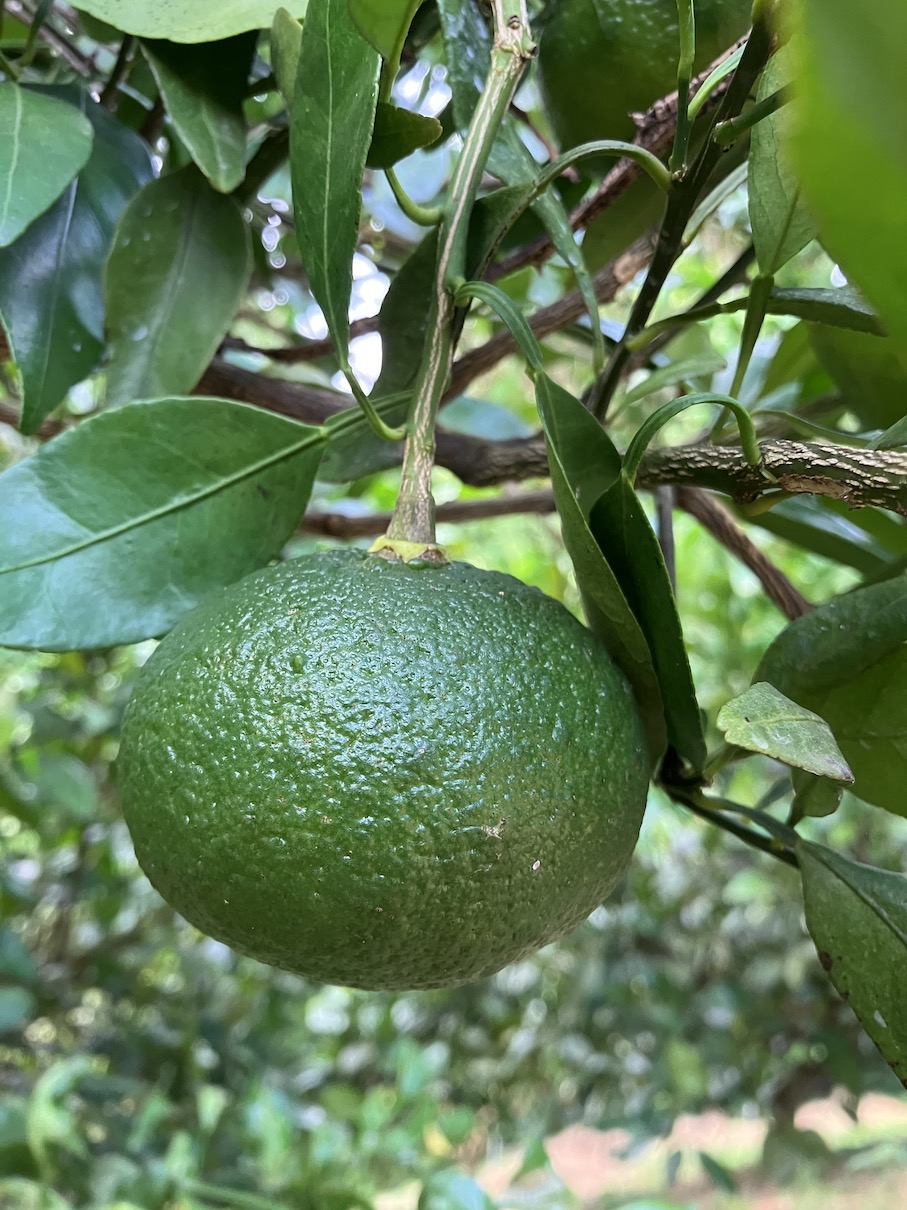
602,60
383,776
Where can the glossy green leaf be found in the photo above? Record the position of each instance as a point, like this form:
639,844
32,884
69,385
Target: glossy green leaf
894,438
867,372
850,143
839,640
51,299
123,561
398,133
780,224
816,526
203,88
43,144
583,465
384,23
847,661
286,40
188,20
838,307
331,122
176,275
763,720
857,917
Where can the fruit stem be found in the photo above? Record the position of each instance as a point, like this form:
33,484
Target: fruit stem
414,515
686,18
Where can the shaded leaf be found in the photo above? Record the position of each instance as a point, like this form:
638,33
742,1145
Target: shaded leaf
857,917
699,366
384,23
763,720
203,88
625,537
852,110
894,438
176,275
815,797
43,144
583,466
838,640
398,133
847,661
838,307
817,526
50,278
867,372
286,40
331,121
781,226
188,20
124,561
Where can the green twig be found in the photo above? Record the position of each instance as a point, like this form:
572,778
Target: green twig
730,131
376,424
422,216
8,68
118,74
714,811
414,516
686,18
748,440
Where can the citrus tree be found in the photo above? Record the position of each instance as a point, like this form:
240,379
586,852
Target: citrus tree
199,202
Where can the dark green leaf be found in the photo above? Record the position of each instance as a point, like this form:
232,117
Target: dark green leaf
781,227
286,39
625,537
851,143
857,917
203,88
384,23
583,466
814,796
177,272
50,278
721,1177
816,525
331,122
188,20
763,720
118,564
867,372
838,640
894,438
836,306
847,661
398,133
43,144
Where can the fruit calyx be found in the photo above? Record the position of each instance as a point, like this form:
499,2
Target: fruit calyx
414,553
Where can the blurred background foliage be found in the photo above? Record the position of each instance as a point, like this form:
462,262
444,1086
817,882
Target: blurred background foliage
143,1065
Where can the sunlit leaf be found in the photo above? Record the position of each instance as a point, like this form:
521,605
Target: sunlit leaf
189,20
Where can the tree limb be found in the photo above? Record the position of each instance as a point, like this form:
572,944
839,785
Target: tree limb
346,525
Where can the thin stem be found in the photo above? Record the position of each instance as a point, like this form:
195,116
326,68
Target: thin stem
8,67
375,423
686,18
681,203
757,302
713,810
730,131
414,515
422,216
118,74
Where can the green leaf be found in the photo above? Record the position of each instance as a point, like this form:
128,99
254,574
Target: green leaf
721,1177
847,661
188,20
850,143
43,144
894,438
857,917
763,720
839,640
867,372
176,275
583,466
331,122
815,797
781,226
384,23
626,539
838,307
203,88
702,365
815,525
50,279
119,564
398,133
286,40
